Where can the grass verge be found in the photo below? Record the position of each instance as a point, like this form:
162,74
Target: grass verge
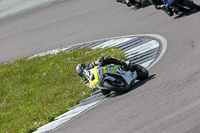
35,91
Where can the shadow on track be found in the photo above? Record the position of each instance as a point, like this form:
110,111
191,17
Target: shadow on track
135,86
144,5
184,14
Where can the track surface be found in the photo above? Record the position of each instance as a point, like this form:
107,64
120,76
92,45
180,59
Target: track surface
168,102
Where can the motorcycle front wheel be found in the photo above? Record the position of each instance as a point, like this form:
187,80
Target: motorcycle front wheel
113,87
105,92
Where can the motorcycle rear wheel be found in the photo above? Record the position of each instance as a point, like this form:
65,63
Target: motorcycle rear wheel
142,72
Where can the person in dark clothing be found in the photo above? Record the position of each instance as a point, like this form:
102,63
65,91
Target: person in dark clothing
160,5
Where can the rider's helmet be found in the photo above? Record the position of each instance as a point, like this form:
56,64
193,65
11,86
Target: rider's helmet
80,67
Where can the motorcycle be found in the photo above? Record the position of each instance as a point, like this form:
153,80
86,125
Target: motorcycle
178,6
114,78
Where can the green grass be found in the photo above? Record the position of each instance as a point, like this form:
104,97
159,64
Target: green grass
35,91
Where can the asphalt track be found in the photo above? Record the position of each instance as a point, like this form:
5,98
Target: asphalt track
168,102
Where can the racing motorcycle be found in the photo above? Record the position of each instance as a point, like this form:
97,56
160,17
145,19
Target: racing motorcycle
179,6
114,78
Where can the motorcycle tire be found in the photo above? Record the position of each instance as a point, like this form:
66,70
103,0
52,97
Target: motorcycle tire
112,87
191,4
142,72
105,92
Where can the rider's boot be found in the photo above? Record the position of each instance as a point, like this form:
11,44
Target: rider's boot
166,9
132,67
170,12
134,2
128,3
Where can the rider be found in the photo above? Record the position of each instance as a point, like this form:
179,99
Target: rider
100,62
159,5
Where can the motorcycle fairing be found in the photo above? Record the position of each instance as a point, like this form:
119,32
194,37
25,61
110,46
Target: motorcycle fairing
95,74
